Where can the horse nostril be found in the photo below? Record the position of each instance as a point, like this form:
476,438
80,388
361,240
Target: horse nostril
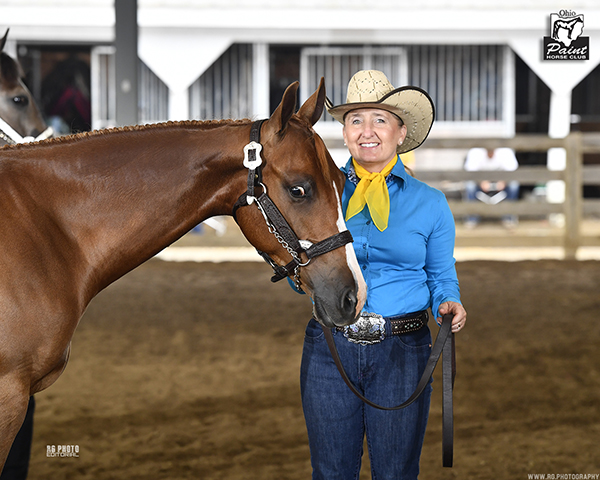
349,301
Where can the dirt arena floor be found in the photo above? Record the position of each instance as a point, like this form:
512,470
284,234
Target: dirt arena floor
190,371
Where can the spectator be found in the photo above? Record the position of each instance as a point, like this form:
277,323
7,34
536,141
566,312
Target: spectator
500,159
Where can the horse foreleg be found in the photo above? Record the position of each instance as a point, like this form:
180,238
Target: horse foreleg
14,398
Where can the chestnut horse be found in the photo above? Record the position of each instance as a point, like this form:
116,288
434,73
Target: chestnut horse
20,118
79,212
20,121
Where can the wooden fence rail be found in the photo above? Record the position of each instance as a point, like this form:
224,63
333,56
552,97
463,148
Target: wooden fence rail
575,176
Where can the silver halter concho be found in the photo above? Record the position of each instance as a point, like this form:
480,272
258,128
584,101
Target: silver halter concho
11,136
276,223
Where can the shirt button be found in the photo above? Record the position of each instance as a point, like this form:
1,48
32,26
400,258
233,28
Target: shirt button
368,222
364,267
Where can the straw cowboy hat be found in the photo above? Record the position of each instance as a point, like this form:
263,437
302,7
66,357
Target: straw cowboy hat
372,89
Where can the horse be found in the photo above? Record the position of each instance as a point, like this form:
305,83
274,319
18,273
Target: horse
20,118
20,121
79,212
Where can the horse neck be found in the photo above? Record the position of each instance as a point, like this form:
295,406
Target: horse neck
132,193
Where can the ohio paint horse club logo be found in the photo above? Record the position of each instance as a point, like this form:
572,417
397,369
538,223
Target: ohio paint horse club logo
565,41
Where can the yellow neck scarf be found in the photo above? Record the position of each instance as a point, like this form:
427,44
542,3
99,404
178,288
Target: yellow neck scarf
373,192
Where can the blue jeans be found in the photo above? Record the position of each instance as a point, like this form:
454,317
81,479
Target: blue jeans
337,421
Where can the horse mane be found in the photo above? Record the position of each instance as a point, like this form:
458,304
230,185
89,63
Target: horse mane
322,153
199,124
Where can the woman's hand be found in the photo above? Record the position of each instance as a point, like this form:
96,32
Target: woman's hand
459,315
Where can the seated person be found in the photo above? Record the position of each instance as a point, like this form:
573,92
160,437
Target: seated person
500,159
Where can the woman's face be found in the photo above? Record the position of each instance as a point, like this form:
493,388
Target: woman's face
372,136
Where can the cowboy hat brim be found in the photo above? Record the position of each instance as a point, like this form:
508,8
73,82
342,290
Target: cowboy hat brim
412,104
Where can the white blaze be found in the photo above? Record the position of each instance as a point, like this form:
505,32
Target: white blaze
351,258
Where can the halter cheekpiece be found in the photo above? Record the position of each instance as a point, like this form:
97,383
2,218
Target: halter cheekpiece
276,222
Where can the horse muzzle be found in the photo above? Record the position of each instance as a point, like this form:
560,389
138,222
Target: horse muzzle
336,304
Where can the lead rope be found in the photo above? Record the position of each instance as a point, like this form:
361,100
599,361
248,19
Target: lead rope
444,345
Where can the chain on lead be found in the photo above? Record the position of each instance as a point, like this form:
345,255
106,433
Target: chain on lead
284,244
282,241
297,279
273,231
292,252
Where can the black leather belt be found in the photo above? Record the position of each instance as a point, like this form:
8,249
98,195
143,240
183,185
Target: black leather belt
372,328
408,323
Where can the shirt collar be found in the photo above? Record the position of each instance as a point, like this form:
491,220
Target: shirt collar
398,171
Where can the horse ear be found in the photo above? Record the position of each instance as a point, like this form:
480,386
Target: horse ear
313,108
3,40
286,108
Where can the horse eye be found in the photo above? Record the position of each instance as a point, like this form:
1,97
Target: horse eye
21,100
297,191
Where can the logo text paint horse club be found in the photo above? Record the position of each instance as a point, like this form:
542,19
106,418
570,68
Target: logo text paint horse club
565,41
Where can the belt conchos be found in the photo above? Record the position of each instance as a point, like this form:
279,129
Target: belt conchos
368,329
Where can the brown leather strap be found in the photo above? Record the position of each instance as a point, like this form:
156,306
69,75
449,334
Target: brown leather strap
444,343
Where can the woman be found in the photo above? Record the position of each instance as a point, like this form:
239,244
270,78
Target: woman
404,240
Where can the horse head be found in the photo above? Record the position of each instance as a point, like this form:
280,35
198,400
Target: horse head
305,184
20,118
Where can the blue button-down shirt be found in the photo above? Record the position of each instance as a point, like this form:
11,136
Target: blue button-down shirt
409,266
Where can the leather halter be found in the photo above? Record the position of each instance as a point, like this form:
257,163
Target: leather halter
276,222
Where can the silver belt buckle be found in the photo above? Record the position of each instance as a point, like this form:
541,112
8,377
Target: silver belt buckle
368,329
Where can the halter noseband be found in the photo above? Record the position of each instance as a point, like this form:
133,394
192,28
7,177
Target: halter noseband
276,222
11,136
